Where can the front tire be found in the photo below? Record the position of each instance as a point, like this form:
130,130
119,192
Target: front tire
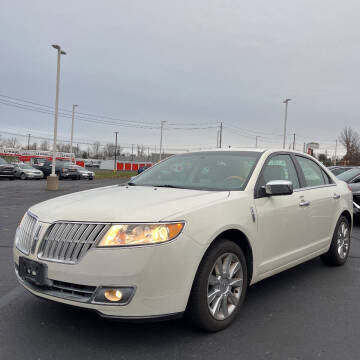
219,287
340,244
23,176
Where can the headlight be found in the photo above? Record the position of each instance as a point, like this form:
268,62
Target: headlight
140,234
64,170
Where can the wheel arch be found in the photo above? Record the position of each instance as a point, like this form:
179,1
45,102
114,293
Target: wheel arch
238,237
347,214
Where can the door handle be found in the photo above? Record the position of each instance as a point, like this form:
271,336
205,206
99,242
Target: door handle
336,196
304,203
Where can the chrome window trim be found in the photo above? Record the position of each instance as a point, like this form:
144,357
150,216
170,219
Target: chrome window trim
314,187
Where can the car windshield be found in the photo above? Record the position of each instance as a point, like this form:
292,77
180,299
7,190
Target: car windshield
348,175
216,170
338,171
2,161
25,166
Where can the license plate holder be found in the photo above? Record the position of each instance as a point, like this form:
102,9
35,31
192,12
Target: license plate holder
33,271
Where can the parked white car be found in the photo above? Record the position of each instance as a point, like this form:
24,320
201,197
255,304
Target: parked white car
186,236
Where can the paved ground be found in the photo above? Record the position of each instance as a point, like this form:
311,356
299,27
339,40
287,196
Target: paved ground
309,312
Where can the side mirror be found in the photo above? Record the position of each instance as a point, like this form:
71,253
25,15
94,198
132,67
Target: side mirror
279,187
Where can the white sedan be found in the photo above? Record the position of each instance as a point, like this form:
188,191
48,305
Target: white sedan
187,236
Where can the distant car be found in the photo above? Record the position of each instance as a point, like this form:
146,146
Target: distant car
337,170
64,169
352,177
26,171
7,170
84,173
143,168
93,163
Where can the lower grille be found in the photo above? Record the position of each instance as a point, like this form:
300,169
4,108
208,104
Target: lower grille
26,233
68,242
71,291
64,290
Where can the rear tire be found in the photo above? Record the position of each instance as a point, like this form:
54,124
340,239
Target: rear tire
340,244
219,288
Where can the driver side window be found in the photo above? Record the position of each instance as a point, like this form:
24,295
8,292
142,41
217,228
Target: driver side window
279,167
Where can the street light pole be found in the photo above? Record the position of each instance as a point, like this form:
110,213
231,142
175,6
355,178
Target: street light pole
53,183
220,134
285,120
161,137
115,154
72,129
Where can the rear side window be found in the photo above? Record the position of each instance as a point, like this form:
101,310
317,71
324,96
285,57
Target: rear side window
314,175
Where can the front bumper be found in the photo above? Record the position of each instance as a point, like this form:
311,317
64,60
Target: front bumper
34,176
162,275
70,175
8,175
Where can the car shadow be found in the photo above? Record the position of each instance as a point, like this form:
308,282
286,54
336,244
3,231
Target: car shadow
95,328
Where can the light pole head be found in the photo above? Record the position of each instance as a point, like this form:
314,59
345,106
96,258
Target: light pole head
286,101
58,48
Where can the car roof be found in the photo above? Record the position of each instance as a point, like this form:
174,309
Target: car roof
257,150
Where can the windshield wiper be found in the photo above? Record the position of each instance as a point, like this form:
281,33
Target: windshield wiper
130,183
167,186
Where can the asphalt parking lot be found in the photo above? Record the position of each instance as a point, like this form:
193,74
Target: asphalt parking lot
309,312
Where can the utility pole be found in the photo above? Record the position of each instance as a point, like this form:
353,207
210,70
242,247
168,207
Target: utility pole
256,141
217,138
294,141
53,181
29,135
285,120
72,129
115,163
132,155
335,151
161,137
148,153
220,134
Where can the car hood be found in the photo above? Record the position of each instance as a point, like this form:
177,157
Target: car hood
125,204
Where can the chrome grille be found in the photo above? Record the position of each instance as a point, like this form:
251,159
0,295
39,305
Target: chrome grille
25,233
68,242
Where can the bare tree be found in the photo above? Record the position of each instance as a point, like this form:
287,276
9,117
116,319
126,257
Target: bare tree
44,145
96,148
109,150
11,142
350,139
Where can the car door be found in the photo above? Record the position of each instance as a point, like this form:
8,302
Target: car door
282,221
322,199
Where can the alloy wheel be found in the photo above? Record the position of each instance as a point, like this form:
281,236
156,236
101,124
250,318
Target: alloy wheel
225,284
343,240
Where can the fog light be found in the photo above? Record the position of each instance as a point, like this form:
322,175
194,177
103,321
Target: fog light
121,295
113,295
